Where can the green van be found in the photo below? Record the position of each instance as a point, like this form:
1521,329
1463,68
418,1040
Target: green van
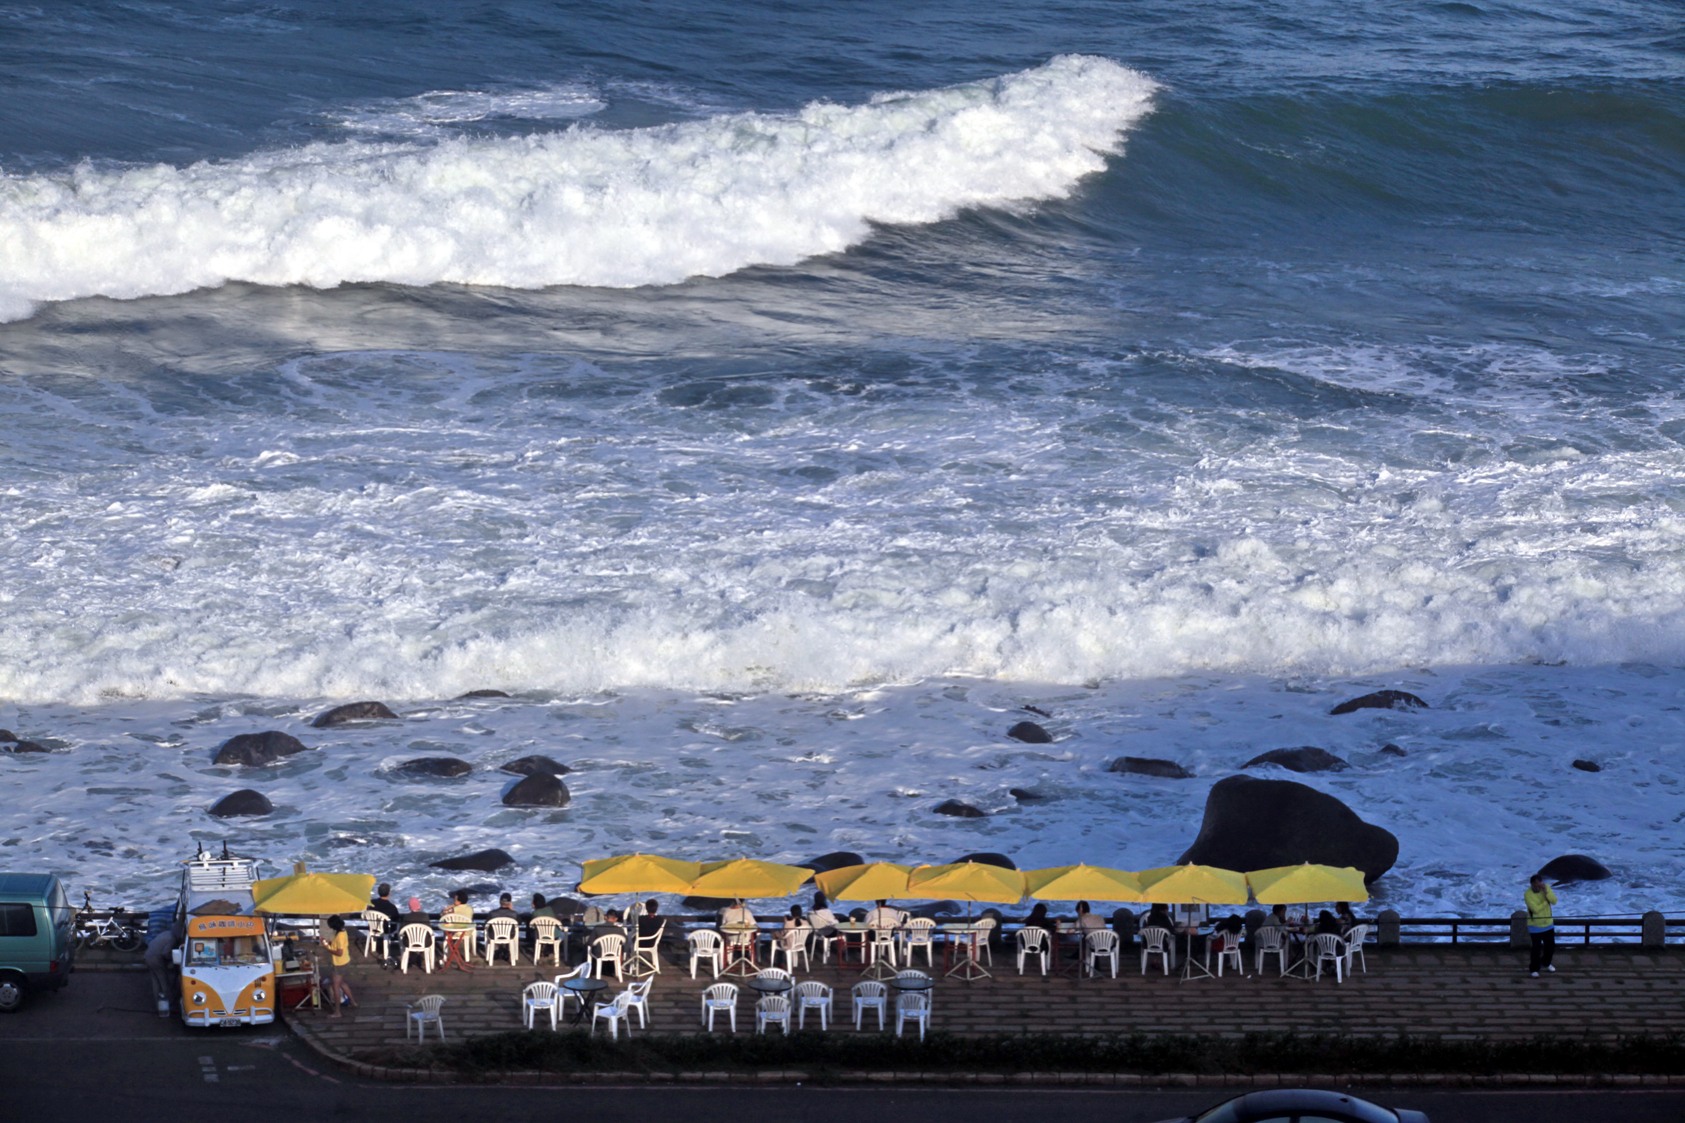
35,944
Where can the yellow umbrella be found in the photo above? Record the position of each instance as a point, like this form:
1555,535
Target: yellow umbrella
1194,885
970,881
639,873
303,893
1083,883
874,881
1297,885
748,877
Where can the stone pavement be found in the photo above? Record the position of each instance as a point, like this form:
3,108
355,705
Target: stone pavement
1454,992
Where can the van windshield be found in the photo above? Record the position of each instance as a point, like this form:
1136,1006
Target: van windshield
228,951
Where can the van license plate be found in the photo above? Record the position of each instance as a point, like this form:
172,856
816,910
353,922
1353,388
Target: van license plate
230,1022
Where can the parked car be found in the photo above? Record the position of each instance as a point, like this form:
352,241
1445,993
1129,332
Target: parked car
35,936
1301,1105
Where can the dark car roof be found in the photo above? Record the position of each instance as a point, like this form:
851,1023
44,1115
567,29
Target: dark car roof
1296,1101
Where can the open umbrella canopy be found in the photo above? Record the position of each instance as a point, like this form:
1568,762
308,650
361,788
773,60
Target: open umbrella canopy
1083,883
748,877
639,873
1194,885
303,893
1298,885
874,881
968,881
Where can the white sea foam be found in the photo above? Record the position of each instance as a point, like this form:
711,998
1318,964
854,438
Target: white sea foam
579,207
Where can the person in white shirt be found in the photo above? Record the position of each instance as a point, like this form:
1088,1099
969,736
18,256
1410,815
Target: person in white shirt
737,916
883,916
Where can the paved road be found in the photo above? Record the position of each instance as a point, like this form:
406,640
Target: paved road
96,1052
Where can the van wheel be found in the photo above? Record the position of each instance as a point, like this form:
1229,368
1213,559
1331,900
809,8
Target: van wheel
11,995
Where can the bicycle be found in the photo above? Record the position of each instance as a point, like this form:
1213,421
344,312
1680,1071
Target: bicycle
114,930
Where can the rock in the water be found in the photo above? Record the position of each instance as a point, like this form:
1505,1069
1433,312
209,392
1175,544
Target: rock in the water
1381,700
835,860
1253,824
1574,867
243,802
1026,795
703,904
1588,766
527,765
1037,710
443,767
539,789
1307,758
936,909
1030,733
486,861
7,735
256,749
26,747
1392,750
958,809
1149,766
354,711
988,859
485,694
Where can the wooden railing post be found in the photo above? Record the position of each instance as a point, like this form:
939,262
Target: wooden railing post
1653,934
1386,929
1518,928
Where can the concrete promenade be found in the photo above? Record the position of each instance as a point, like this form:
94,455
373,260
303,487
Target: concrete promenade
1469,992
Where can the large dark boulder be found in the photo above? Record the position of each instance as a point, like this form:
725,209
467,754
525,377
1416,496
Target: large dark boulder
26,747
1027,795
527,765
835,860
540,789
253,750
959,809
243,802
1149,766
354,711
988,859
7,735
1307,758
1588,766
442,767
1030,733
1381,700
1253,824
486,861
1574,867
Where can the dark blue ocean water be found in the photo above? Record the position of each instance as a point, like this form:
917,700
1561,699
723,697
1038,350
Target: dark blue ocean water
1168,364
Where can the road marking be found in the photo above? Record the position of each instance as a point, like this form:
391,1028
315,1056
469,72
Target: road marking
207,1068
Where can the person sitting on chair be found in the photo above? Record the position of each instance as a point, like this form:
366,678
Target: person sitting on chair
882,916
1159,917
1327,924
1087,921
649,924
1348,919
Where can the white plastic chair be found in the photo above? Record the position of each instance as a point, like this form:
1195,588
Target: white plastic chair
880,943
564,995
1098,944
1354,948
1228,952
424,1012
811,995
1032,941
918,978
912,1007
919,933
1155,941
605,950
417,939
706,944
791,943
375,932
870,996
720,996
637,998
547,935
774,1009
614,1013
1269,940
775,973
985,935
536,997
503,932
1329,948
646,952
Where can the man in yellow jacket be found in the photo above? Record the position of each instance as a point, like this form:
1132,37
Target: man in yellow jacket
1541,925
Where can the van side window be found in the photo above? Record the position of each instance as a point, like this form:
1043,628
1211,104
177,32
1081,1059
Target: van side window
17,920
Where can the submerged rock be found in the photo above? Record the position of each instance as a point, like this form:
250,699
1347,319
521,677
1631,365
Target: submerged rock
988,859
1393,750
1030,733
443,767
835,860
539,789
243,802
26,747
7,735
1027,795
1255,824
958,809
1381,700
354,711
1149,766
253,750
1307,758
1588,766
485,694
486,861
528,765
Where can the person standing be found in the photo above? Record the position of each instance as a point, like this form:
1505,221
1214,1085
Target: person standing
1541,925
337,992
